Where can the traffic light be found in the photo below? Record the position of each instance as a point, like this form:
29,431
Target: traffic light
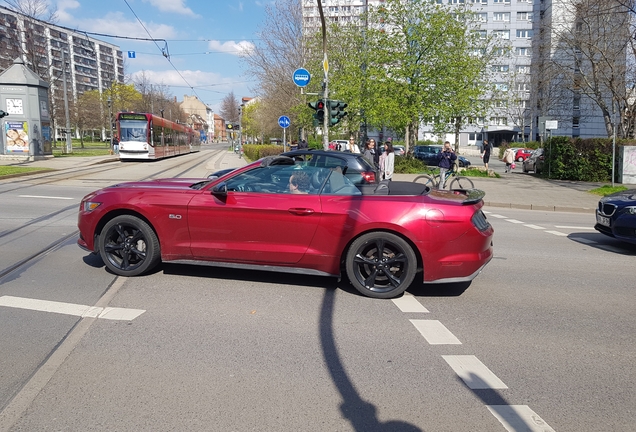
3,113
229,126
336,111
319,107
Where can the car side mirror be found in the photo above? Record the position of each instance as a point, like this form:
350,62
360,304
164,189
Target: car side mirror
220,190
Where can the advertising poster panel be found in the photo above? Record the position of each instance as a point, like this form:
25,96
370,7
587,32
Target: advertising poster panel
16,137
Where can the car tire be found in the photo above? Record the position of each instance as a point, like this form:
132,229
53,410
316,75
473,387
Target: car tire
381,265
129,246
520,159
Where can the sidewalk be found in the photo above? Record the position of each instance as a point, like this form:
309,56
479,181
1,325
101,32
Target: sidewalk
513,190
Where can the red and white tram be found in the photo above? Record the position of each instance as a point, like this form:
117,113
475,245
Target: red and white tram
146,136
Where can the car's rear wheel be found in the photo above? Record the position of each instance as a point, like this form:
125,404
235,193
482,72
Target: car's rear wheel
381,264
520,159
128,246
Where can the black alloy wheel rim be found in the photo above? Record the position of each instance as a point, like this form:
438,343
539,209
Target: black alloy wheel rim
125,246
380,265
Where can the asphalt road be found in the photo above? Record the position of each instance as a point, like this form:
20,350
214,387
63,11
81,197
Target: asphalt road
547,328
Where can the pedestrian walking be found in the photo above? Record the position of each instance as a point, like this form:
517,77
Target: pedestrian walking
389,161
303,144
485,153
353,147
446,158
509,158
115,143
369,152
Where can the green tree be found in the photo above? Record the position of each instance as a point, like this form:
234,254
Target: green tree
411,62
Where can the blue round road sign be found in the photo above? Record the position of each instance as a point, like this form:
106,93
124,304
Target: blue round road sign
284,122
301,77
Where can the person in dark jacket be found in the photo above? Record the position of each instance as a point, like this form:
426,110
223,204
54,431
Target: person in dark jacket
446,158
302,144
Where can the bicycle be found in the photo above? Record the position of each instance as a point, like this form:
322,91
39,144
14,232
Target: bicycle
458,182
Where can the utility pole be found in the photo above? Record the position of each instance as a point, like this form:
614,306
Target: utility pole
325,83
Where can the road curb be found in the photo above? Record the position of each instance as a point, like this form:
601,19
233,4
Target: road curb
540,207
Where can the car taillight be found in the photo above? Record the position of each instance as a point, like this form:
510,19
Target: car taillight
369,176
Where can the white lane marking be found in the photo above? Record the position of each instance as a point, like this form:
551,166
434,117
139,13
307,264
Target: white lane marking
435,332
109,313
408,303
485,212
584,240
473,372
537,227
574,227
557,233
45,197
517,418
498,216
514,221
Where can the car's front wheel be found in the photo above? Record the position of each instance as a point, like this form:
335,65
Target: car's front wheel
128,246
381,265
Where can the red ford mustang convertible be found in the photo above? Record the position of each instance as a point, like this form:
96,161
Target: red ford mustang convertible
281,215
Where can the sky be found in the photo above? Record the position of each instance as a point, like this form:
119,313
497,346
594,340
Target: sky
204,40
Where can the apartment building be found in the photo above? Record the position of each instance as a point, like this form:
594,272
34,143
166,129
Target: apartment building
514,115
94,64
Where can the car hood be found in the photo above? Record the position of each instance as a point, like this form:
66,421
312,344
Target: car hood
626,196
166,183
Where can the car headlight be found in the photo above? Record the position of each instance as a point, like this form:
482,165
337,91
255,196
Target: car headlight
630,210
89,206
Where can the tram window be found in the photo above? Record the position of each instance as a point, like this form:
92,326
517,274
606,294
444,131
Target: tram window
133,131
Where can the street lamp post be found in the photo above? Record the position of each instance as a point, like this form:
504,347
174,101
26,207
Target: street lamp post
110,123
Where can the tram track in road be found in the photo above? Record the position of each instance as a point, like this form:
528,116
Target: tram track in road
25,262
75,173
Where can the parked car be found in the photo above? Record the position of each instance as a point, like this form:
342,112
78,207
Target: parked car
220,173
340,145
250,219
354,166
534,162
523,154
429,155
616,216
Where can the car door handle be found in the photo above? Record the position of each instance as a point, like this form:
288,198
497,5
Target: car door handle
301,211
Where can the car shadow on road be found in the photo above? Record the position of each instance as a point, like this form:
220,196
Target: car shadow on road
420,289
603,242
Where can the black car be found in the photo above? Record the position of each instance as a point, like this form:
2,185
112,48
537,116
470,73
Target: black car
616,216
429,154
354,166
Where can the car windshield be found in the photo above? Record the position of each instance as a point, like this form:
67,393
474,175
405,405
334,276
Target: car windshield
292,179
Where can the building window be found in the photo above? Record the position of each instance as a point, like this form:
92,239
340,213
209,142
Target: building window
576,103
499,121
524,34
523,51
481,17
500,103
500,68
522,87
576,122
523,69
501,86
482,34
524,16
456,1
501,34
501,16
